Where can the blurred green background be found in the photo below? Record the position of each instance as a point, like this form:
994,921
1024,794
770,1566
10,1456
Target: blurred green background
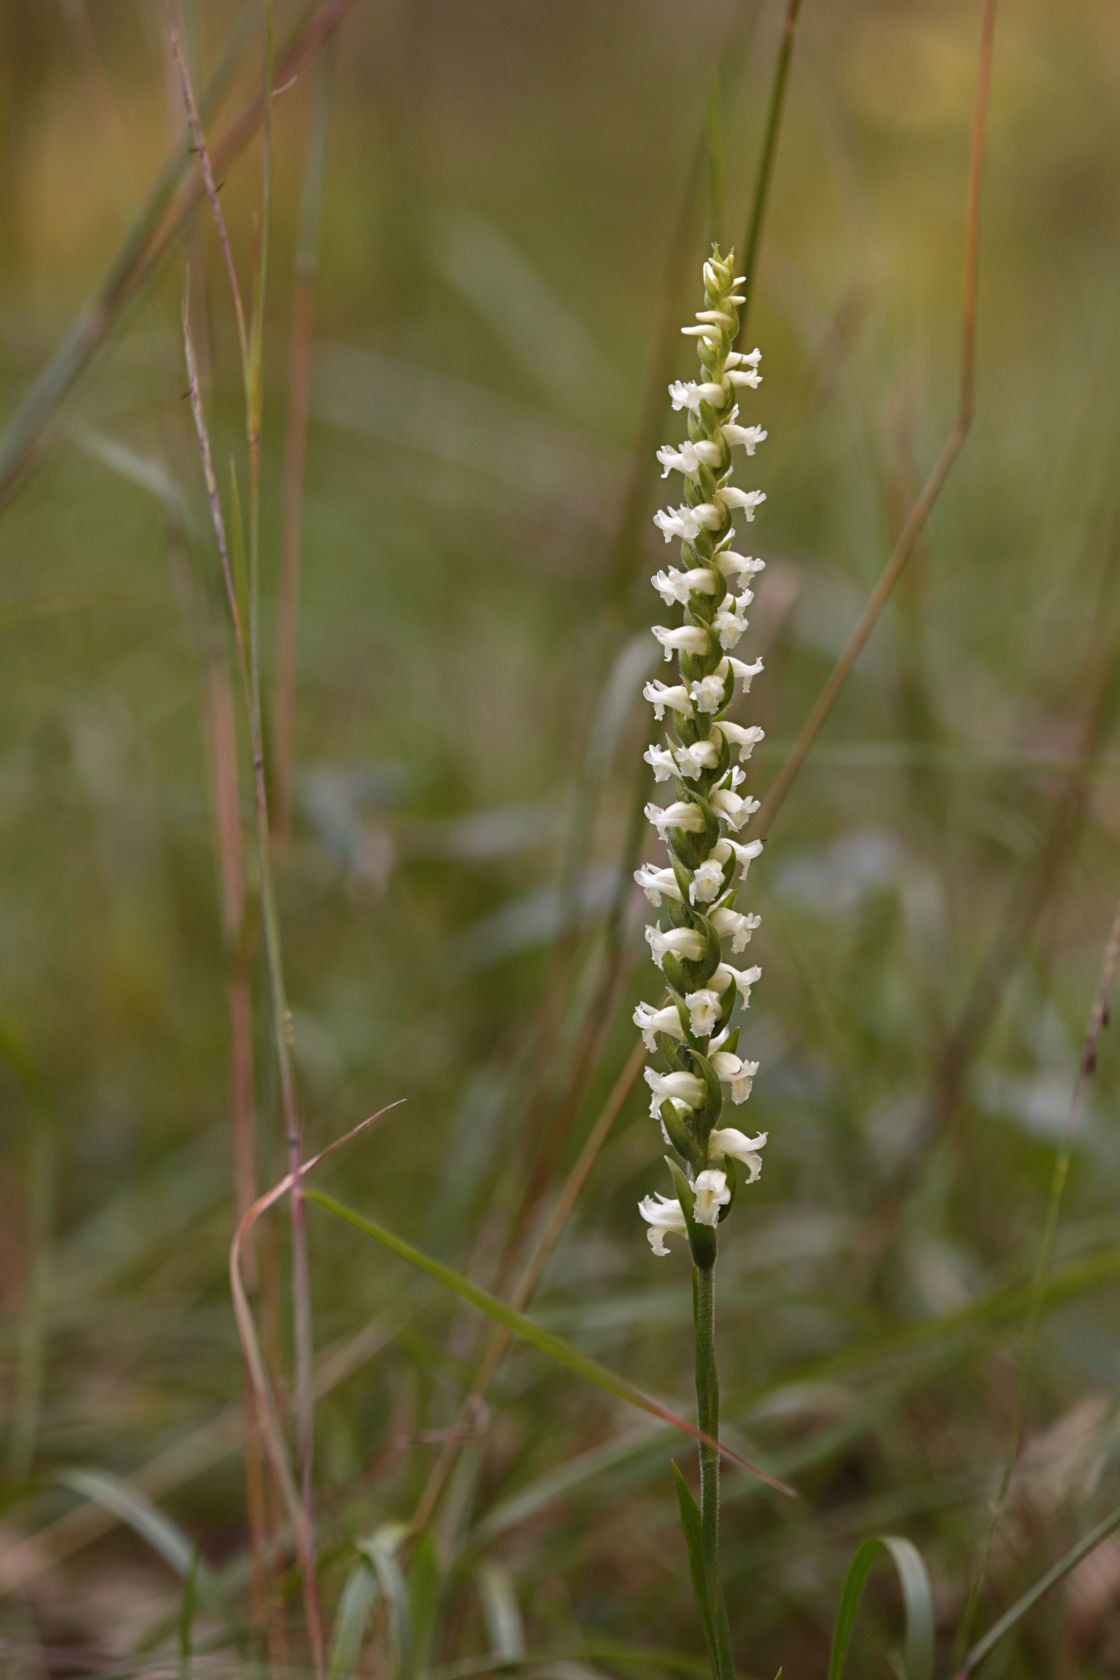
512,209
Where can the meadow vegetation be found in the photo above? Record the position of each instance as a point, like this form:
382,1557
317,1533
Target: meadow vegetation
484,228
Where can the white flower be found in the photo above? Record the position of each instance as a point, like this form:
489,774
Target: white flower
712,1193
749,436
735,565
649,1021
709,692
686,394
711,515
738,1074
707,880
689,457
702,755
660,695
704,1009
680,942
682,813
686,638
729,623
734,809
744,376
744,358
748,500
680,522
729,924
706,330
742,673
664,1217
661,761
745,739
725,1140
717,317
657,883
687,1089
742,978
745,854
674,585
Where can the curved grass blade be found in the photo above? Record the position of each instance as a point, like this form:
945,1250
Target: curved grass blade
917,1596
351,1621
543,1340
135,1509
1058,1572
381,1551
504,1627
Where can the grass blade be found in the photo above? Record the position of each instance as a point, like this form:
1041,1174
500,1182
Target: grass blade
165,1537
694,1541
351,1621
917,1597
382,1554
543,1340
1058,1572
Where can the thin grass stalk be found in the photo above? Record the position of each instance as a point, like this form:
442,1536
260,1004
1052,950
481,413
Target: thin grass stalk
251,339
198,146
1098,1015
952,447
766,162
280,1012
295,447
168,210
222,732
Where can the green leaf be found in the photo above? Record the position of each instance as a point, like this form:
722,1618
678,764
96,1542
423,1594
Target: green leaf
694,1541
351,1622
1058,1572
544,1340
425,1592
917,1596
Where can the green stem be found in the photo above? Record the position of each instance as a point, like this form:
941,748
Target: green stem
751,244
707,1416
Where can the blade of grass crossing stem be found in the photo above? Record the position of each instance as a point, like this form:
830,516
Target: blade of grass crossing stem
152,236
351,1622
917,1599
694,1544
1064,1566
553,1346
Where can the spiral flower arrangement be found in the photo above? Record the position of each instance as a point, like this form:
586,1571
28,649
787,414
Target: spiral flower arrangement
702,755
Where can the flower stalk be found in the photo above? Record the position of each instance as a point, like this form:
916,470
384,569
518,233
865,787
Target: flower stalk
701,756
